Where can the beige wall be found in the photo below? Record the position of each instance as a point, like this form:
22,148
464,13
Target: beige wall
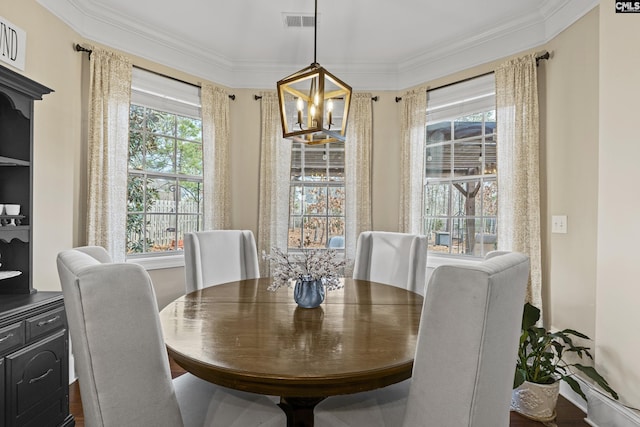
569,100
577,120
617,291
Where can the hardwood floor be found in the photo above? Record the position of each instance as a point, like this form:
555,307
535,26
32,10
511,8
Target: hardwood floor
568,414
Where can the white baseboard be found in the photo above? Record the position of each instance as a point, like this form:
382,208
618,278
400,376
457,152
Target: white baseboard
601,410
605,412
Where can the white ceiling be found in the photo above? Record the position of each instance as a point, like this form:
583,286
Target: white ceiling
370,44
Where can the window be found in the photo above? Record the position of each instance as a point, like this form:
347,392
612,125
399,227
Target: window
165,169
317,196
460,190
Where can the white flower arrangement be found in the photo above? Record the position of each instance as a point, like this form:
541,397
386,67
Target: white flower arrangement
312,264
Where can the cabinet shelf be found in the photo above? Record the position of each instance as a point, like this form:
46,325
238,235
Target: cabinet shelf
8,274
10,232
9,161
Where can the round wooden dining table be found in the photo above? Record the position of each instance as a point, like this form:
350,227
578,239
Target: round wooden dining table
243,336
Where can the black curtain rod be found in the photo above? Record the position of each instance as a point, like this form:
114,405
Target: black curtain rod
258,97
84,49
539,58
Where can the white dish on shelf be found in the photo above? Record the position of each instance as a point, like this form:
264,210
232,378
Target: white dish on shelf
9,274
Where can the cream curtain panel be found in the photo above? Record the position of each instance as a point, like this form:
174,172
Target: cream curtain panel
412,139
275,169
359,140
108,127
518,166
215,152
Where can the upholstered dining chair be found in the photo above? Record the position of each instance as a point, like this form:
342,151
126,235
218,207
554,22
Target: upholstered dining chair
465,354
219,256
121,360
397,259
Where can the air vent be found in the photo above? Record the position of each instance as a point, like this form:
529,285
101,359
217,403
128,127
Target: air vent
298,20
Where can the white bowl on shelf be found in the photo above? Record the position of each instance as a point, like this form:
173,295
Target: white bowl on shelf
12,209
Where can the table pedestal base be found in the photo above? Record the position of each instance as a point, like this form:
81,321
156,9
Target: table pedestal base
299,410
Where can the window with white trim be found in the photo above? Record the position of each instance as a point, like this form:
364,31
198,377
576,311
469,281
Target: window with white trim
317,197
165,168
460,166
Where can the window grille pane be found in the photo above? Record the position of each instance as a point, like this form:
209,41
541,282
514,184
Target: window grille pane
314,233
136,150
437,199
136,233
189,158
315,200
467,158
438,161
336,201
136,117
191,197
189,129
295,200
438,132
468,126
135,194
295,232
160,154
490,197
161,123
162,231
161,193
336,229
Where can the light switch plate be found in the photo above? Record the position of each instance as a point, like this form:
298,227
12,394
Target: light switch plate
559,224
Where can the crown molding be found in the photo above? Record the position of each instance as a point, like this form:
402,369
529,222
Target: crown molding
516,35
106,27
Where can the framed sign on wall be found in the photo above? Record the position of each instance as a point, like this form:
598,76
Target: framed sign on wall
13,44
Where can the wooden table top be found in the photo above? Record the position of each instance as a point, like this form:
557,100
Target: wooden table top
242,336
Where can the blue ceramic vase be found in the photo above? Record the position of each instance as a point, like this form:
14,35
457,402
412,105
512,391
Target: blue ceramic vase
308,292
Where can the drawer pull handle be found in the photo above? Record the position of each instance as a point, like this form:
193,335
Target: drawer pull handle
3,339
41,377
46,322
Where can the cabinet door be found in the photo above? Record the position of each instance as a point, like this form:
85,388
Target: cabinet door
38,376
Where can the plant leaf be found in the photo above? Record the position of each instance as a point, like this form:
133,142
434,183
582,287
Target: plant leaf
574,386
530,316
576,333
519,377
591,372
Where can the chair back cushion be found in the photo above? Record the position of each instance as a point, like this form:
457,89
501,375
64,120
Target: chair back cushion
397,259
119,351
467,344
219,256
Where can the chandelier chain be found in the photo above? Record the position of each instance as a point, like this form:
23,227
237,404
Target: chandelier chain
315,32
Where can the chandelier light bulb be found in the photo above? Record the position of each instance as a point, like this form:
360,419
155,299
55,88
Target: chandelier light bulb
329,112
300,106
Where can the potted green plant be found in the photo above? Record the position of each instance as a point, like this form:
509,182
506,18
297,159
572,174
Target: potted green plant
542,364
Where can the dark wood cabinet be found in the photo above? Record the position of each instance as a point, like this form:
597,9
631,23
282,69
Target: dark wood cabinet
34,340
34,361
